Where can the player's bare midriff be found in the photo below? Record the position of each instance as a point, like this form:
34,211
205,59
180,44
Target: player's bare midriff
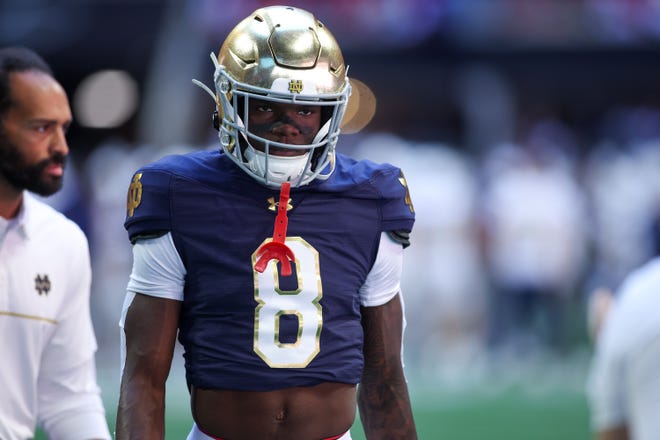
305,413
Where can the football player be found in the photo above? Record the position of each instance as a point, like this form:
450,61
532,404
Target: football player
275,261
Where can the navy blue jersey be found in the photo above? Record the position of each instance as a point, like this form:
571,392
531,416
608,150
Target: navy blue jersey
246,330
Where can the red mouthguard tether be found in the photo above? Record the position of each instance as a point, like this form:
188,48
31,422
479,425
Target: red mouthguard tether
276,249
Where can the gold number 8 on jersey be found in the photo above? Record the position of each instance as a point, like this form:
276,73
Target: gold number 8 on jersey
303,303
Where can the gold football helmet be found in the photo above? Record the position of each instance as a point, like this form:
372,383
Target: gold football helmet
284,55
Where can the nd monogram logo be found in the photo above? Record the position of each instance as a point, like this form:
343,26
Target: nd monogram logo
407,199
134,196
295,86
42,284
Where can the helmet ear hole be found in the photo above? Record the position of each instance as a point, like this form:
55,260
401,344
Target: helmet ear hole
326,114
216,120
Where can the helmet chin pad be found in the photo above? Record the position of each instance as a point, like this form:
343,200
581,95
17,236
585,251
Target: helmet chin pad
276,169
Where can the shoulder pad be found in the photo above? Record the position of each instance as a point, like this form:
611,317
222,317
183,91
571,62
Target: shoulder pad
147,236
400,236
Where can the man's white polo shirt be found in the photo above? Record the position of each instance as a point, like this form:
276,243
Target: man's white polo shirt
624,381
47,371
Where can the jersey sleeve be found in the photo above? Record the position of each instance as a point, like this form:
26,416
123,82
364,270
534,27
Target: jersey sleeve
148,204
398,213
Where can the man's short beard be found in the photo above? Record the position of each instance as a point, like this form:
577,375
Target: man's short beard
24,176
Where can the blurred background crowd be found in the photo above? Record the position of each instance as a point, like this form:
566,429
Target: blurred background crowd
528,131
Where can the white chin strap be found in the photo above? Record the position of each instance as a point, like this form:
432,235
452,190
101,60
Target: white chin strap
280,168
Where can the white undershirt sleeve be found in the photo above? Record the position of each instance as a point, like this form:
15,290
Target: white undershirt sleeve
157,268
384,280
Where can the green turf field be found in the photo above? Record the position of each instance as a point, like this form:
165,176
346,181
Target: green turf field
542,400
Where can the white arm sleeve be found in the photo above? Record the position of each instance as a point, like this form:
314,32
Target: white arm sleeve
79,414
157,268
384,280
605,384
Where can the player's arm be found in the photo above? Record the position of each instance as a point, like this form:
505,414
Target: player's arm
150,324
150,328
383,398
618,433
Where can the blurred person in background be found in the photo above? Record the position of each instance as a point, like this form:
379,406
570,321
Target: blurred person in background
624,380
48,371
278,328
535,242
449,303
623,185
